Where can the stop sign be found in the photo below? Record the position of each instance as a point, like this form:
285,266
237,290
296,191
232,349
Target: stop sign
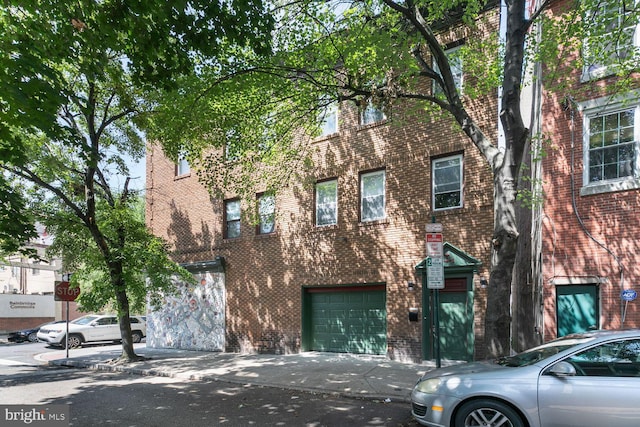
64,293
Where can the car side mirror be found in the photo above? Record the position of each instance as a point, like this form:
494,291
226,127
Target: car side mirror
562,369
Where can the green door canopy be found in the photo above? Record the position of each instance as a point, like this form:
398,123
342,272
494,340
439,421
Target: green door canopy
455,261
349,322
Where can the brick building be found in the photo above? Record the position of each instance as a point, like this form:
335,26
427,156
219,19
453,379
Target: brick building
336,270
590,221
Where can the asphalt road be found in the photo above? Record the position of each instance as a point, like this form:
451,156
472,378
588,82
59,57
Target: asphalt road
106,398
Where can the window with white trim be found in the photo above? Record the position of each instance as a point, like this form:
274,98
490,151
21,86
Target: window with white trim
446,176
327,203
612,150
232,218
371,114
329,119
267,213
372,196
612,37
182,167
455,63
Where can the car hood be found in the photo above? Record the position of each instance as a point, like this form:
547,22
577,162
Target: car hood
465,369
22,332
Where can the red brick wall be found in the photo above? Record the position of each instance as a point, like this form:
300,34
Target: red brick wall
571,249
265,274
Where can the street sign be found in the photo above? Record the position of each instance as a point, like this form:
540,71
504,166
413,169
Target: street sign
435,273
629,295
64,293
434,244
433,227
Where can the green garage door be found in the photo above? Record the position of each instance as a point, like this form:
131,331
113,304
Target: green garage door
354,321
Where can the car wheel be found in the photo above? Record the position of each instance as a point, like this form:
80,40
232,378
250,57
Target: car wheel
487,413
136,336
33,337
74,341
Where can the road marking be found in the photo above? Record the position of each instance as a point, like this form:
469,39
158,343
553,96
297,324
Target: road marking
7,362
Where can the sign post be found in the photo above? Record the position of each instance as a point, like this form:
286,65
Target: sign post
435,277
64,293
626,296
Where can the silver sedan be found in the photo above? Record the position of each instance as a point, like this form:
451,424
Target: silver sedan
582,380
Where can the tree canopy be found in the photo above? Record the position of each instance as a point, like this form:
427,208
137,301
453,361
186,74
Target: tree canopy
77,81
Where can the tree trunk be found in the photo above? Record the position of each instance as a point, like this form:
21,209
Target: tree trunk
505,174
525,292
504,246
128,353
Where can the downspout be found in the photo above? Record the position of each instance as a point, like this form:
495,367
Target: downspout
570,104
536,189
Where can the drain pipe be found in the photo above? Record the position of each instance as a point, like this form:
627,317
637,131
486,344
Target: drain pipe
570,104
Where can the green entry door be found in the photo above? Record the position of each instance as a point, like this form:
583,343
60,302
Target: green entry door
577,308
456,320
456,326
353,321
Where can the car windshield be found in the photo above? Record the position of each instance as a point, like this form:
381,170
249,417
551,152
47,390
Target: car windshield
84,320
533,355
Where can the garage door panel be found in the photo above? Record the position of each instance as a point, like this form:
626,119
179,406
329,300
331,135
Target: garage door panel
352,322
357,314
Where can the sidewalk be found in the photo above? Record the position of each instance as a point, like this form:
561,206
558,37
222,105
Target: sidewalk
362,376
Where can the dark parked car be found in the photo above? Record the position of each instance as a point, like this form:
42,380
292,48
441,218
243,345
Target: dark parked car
29,334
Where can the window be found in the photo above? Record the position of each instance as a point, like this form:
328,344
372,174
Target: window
327,203
612,359
371,114
182,168
266,212
455,62
106,321
329,119
612,39
612,147
372,196
232,218
35,270
447,182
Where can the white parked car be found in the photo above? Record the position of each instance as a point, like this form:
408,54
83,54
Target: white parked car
91,328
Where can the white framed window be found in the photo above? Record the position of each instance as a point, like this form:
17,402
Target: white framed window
455,63
611,146
371,114
327,203
267,213
372,196
446,178
232,218
329,119
612,38
182,167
